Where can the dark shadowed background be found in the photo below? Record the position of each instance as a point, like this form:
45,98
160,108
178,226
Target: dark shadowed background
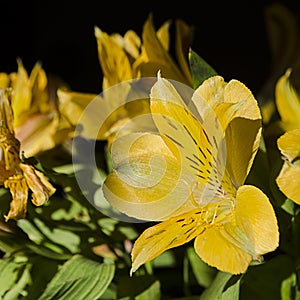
231,36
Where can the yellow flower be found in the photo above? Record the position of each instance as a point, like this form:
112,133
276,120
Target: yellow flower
181,175
37,121
15,175
288,179
129,57
288,106
123,58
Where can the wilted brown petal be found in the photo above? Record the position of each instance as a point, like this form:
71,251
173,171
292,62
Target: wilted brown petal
41,188
19,191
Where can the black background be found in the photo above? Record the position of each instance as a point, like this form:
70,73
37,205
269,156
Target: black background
230,36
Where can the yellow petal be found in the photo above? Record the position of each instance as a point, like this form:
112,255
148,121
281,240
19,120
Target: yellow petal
19,191
239,115
289,144
6,115
22,94
287,100
215,247
198,147
231,247
157,56
163,35
166,235
183,41
147,179
229,100
37,134
288,181
4,80
102,116
244,135
72,105
113,60
132,43
41,188
40,94
256,216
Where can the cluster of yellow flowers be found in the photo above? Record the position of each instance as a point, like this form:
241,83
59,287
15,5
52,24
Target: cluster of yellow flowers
234,223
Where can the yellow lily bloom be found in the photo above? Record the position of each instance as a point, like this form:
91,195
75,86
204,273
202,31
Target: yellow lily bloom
15,175
181,176
129,57
123,58
37,122
288,179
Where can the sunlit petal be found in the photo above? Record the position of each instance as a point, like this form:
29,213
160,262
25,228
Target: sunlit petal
288,179
111,54
287,100
147,181
216,248
256,216
168,234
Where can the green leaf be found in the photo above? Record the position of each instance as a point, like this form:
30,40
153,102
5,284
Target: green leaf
200,69
165,260
289,288
41,272
80,279
14,276
152,293
204,273
145,287
59,236
265,281
221,287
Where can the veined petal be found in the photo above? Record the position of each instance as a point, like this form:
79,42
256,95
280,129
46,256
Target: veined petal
216,248
41,188
111,54
4,80
229,100
288,179
253,232
19,191
198,147
132,43
244,135
163,35
239,115
287,100
72,105
166,235
256,217
183,41
155,54
22,94
37,133
148,182
289,144
212,91
40,100
6,114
